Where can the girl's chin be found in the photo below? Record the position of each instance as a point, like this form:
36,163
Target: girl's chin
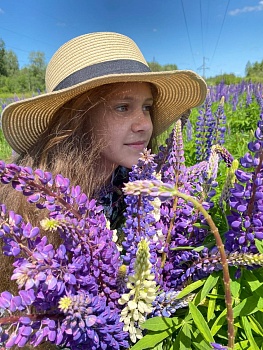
129,163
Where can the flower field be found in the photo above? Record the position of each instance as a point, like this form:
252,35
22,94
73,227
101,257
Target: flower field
186,269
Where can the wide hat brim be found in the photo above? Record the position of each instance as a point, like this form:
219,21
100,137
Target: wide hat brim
24,121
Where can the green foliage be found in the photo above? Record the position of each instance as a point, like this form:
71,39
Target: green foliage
157,67
227,79
5,149
254,70
29,78
204,321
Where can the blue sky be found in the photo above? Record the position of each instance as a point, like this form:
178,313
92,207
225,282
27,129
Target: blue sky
218,35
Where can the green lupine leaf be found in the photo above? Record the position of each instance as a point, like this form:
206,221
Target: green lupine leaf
251,280
196,249
255,325
201,323
202,345
221,319
259,245
183,340
160,323
249,334
243,345
151,340
247,306
235,288
209,284
158,347
211,305
199,225
189,289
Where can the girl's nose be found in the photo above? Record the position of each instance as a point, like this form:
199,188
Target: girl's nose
142,122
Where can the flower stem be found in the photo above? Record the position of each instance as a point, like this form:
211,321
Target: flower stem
221,249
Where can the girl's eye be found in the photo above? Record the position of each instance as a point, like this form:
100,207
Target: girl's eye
147,108
122,108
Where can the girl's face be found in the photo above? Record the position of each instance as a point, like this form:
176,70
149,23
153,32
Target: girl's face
124,124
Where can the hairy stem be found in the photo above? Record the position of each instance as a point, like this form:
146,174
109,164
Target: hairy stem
221,249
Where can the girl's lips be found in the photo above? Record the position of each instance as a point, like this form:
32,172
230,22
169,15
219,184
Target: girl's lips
137,145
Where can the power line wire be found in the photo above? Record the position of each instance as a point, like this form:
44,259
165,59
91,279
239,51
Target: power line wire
188,33
26,36
220,32
202,32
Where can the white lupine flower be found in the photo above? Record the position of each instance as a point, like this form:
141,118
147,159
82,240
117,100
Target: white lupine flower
156,203
142,293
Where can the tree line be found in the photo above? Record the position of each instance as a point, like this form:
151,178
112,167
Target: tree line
31,78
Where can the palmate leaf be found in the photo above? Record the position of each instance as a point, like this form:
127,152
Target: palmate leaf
202,345
251,280
259,245
189,289
248,331
211,305
183,340
201,323
255,325
209,284
248,306
160,323
151,340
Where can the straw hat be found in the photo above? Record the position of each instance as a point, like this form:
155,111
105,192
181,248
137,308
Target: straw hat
89,61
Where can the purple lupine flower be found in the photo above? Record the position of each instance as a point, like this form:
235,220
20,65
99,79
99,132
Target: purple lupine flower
220,127
87,261
205,131
246,200
140,214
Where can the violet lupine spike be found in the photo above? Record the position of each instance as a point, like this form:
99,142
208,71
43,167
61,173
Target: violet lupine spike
174,168
220,127
210,173
246,200
41,189
224,154
205,131
140,214
88,260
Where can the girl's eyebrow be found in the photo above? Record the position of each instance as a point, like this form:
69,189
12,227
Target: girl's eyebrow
131,98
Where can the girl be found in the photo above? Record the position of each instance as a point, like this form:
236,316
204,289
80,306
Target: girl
103,106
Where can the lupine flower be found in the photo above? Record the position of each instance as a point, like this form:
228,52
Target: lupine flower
245,220
166,304
205,130
142,292
220,127
56,281
229,183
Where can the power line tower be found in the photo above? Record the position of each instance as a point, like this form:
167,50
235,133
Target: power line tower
203,67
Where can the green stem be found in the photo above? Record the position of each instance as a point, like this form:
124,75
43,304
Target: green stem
221,249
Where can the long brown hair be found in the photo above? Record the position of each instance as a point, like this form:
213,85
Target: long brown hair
67,147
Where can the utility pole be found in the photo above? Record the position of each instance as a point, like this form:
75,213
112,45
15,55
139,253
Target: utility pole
203,67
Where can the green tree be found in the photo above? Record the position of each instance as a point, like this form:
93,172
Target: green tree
11,63
255,70
36,71
248,68
157,67
2,58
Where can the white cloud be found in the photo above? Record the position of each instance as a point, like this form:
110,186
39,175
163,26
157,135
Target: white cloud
246,9
1,11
